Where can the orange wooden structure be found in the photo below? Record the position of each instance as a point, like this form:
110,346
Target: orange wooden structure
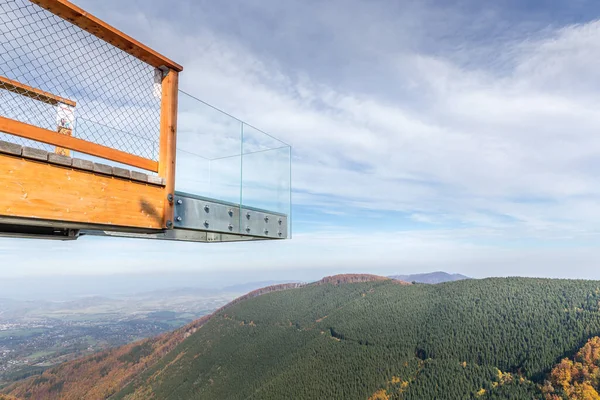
42,192
46,193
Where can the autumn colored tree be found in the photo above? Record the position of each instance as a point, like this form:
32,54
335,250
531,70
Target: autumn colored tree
577,379
584,391
380,395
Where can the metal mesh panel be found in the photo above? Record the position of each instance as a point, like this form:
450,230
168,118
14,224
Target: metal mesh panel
117,96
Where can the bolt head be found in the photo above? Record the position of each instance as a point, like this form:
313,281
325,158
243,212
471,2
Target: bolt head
230,212
206,223
206,208
179,201
230,227
266,231
266,219
280,221
169,224
248,215
247,229
178,218
170,197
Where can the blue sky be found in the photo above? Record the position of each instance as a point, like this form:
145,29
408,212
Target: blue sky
427,135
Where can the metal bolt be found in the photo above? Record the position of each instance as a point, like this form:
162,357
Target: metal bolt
248,229
266,219
179,201
280,221
230,227
230,212
206,223
248,215
169,224
280,234
178,218
170,197
206,208
266,231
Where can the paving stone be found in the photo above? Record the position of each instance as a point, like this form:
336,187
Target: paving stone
121,172
10,148
35,154
60,159
83,164
103,169
156,180
139,176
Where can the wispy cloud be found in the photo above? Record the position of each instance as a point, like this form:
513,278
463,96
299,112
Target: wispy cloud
477,122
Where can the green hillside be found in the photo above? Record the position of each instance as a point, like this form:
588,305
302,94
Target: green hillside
360,337
382,340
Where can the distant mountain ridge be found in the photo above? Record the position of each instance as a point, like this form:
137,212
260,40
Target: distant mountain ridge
352,278
431,277
250,286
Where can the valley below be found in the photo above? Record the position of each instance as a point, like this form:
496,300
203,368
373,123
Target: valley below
35,335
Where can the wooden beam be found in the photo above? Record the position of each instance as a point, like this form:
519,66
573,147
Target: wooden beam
83,146
32,189
70,12
33,93
168,138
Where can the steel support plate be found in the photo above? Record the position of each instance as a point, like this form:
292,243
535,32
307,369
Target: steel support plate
181,235
210,215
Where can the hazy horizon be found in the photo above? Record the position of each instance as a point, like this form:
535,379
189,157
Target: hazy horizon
69,287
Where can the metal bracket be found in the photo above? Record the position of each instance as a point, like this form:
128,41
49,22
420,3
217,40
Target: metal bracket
180,235
205,214
38,232
164,69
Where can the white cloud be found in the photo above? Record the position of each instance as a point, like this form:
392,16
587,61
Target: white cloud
507,147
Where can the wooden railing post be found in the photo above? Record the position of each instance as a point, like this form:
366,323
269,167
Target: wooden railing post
168,140
65,120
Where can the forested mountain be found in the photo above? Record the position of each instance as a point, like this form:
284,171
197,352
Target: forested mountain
431,277
503,338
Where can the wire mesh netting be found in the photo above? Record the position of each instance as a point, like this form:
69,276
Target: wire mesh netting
116,97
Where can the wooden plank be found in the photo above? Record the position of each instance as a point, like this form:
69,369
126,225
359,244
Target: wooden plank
31,189
33,93
83,146
70,12
168,137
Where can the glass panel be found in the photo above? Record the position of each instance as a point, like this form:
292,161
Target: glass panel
221,158
224,176
266,178
208,151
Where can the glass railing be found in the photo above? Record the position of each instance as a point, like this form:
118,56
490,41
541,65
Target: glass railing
222,158
265,171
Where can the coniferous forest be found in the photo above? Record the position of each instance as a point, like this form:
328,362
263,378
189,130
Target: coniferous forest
501,338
